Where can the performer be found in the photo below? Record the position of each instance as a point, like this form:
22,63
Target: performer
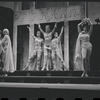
47,48
83,46
1,52
38,50
7,54
57,51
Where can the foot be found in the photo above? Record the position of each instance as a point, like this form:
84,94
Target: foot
83,74
86,75
47,69
43,69
65,69
37,69
5,74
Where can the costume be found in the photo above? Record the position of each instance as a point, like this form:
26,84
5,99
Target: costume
7,55
57,57
34,62
82,44
47,52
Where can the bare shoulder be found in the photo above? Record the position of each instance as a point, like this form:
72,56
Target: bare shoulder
80,33
6,36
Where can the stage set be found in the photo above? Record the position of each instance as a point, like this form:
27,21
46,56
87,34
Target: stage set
41,71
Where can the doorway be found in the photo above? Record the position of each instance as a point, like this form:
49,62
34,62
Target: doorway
6,20
73,34
22,46
95,55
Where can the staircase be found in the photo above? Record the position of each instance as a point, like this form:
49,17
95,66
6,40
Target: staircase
64,77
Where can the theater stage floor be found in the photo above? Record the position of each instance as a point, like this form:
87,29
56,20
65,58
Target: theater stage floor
49,91
51,86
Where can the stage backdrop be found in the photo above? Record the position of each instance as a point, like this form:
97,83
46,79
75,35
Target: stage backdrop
46,15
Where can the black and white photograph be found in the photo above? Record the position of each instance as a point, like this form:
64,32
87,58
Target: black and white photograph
49,50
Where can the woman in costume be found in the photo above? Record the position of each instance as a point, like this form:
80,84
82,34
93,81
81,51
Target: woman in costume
83,46
47,49
57,57
34,62
7,54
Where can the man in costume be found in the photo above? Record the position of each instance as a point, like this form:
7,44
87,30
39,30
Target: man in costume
47,48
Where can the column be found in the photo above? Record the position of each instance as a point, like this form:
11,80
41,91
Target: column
66,44
15,45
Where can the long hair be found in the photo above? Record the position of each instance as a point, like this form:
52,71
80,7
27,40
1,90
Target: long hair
85,25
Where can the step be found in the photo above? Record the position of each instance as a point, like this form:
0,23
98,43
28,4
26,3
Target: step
46,73
53,73
51,79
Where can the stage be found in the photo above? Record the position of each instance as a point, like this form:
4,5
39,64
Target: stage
63,77
50,85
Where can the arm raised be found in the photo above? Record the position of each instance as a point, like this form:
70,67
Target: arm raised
54,28
61,32
30,32
79,26
91,27
41,29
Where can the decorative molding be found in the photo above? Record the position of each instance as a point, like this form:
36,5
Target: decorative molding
48,15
